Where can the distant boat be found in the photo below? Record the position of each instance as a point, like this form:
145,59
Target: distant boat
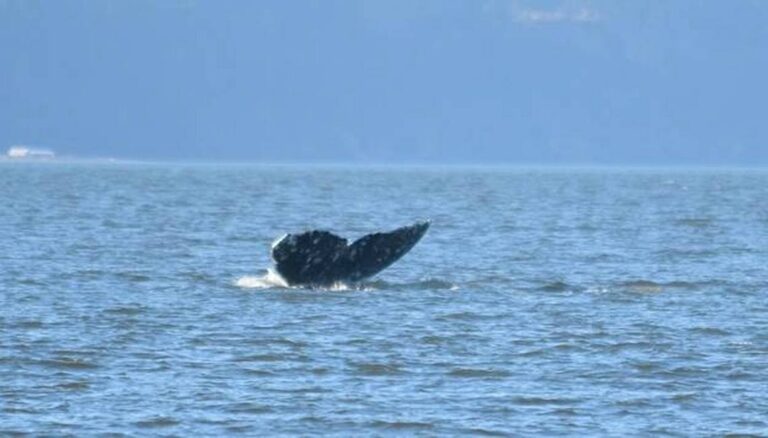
25,152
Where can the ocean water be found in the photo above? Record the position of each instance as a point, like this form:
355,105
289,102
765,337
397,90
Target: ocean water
134,300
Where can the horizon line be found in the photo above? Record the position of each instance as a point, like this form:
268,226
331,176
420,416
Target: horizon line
386,164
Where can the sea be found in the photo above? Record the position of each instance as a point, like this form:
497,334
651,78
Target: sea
136,299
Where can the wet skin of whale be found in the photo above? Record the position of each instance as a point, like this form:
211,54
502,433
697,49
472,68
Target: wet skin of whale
321,258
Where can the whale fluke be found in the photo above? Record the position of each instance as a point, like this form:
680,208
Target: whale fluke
321,258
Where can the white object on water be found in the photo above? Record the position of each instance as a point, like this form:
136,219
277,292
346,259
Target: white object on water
27,152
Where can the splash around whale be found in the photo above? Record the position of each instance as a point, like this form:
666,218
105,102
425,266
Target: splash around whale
320,258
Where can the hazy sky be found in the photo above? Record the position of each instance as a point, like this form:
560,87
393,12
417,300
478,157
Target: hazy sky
417,81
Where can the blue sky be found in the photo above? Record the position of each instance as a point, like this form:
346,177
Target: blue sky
419,81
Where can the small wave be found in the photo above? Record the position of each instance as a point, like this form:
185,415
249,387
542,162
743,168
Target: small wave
477,372
457,316
643,286
126,310
31,282
711,331
468,316
533,400
555,286
258,373
695,222
260,358
302,390
249,408
199,277
68,363
434,340
424,284
653,286
682,397
377,369
646,366
681,285
740,375
687,253
482,432
73,386
133,277
30,324
629,345
401,425
160,421
275,341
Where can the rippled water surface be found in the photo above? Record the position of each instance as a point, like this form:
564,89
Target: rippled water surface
133,301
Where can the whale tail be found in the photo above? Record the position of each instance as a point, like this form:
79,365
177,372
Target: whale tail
321,258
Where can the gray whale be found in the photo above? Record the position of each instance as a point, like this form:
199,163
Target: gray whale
321,258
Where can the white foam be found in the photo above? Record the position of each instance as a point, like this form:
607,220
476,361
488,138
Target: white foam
339,286
270,280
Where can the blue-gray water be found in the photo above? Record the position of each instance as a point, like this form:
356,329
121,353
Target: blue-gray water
581,302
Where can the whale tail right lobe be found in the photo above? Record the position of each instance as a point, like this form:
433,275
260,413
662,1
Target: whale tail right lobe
375,252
